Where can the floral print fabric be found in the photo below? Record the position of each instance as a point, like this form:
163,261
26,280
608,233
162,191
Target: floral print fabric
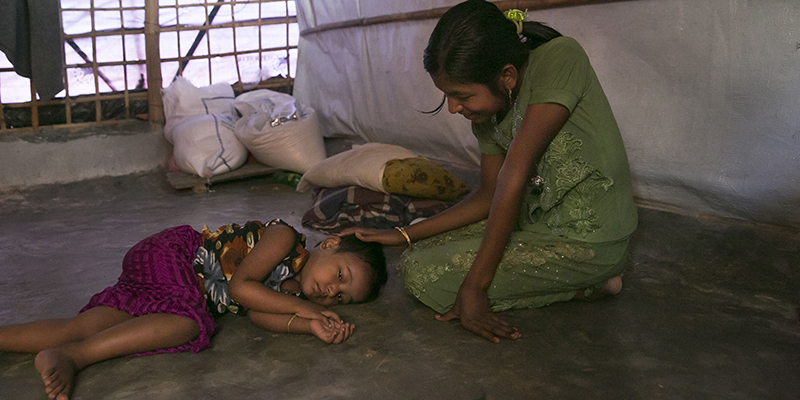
224,249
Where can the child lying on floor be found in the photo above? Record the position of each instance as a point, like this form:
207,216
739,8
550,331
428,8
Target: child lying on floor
173,283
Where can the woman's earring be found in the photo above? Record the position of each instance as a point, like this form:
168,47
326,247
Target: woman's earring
510,100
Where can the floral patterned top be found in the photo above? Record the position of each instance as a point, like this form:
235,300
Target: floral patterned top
582,185
224,249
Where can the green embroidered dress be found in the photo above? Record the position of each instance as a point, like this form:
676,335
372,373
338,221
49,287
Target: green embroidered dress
575,221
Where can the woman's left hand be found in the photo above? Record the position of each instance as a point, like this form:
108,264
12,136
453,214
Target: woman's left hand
472,308
386,237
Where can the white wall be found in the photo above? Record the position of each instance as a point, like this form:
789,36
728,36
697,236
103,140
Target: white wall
64,155
706,93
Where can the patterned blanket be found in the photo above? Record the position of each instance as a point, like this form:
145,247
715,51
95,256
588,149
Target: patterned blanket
338,208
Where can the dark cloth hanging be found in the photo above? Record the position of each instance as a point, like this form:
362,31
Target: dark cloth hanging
30,36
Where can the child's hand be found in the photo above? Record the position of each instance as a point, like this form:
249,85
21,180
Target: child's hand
318,313
336,333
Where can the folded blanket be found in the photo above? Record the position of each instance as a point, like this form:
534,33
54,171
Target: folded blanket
338,208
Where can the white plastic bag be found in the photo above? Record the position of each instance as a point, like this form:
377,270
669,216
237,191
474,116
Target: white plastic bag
182,99
205,145
279,131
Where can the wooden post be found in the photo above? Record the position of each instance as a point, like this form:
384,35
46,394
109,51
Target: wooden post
151,33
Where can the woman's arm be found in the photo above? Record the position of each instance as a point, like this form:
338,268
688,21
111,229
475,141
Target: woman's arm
473,208
246,287
540,125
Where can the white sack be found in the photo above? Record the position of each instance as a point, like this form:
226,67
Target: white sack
182,99
205,145
293,144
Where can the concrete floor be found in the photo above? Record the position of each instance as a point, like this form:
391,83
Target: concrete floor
709,311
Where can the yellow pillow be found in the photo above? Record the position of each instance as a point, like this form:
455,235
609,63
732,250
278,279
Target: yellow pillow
418,177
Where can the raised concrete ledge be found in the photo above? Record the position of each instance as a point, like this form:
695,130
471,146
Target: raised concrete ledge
62,155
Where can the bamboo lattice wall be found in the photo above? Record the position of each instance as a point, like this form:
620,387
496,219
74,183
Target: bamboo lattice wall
115,70
144,75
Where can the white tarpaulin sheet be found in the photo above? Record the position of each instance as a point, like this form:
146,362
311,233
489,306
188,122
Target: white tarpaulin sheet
705,93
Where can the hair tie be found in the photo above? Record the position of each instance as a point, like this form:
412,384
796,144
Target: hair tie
517,17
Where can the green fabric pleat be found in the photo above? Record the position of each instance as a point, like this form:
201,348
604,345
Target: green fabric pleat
536,269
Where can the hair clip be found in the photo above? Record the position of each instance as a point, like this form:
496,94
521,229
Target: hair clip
517,17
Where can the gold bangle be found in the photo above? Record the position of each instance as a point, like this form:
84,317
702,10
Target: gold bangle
289,324
405,235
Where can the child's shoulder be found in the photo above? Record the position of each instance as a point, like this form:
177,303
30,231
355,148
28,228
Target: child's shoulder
288,228
296,241
251,232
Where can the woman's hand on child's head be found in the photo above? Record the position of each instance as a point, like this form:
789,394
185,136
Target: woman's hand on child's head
335,333
386,237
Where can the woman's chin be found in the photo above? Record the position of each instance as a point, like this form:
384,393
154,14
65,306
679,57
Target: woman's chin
479,119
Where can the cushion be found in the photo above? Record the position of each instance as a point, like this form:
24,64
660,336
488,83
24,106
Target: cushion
361,166
419,177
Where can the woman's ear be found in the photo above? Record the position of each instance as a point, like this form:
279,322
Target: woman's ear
508,77
330,243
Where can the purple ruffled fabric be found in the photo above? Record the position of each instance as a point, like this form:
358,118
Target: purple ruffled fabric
157,277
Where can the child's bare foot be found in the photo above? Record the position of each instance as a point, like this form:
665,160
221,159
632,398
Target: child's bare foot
58,373
611,287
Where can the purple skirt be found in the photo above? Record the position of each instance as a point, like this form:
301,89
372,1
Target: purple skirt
157,277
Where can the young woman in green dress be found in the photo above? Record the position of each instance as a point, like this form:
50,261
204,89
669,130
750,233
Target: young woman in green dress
554,211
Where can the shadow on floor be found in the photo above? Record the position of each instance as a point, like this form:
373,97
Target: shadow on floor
708,311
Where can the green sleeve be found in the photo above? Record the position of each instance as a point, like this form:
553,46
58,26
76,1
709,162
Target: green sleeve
561,73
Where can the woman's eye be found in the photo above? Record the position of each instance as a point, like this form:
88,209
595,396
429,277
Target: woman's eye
340,275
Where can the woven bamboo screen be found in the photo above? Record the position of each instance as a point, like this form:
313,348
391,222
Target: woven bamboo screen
113,56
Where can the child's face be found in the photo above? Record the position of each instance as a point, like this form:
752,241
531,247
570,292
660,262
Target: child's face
335,278
474,101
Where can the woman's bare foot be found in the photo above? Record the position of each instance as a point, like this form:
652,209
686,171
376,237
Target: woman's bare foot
58,373
611,287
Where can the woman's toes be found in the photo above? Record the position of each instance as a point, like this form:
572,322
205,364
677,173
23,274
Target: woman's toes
613,286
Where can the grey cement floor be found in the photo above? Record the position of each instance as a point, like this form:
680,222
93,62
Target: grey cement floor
708,312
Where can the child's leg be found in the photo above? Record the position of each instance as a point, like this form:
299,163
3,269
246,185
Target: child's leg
33,337
136,335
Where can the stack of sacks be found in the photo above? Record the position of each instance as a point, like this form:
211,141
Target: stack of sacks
200,127
212,131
